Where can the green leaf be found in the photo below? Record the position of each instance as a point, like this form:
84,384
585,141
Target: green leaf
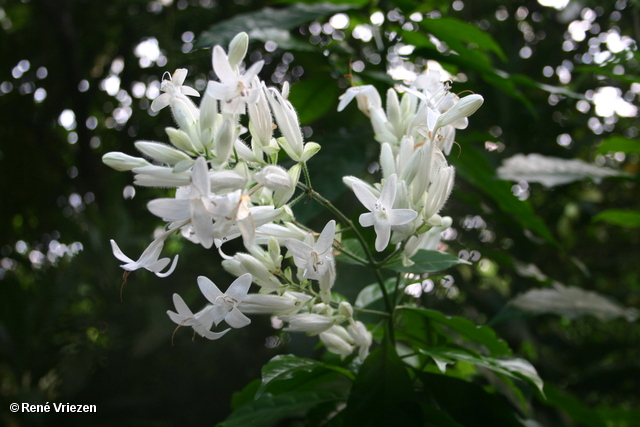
313,97
515,367
372,293
467,403
619,144
354,247
437,418
625,218
286,18
287,367
480,334
383,393
269,410
473,166
461,36
572,302
245,395
427,262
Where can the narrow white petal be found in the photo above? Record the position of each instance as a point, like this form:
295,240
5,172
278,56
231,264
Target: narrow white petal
222,67
236,319
202,223
297,248
189,91
325,240
170,209
383,233
367,219
181,307
401,216
170,270
218,90
160,102
118,253
214,335
209,289
388,194
218,313
240,287
365,196
200,178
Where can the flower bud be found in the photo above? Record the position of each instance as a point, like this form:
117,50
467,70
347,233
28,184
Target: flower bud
463,108
180,140
161,152
274,178
225,138
336,339
123,162
238,49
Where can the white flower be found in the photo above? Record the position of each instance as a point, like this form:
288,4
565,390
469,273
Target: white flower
197,206
201,322
173,89
149,258
234,90
307,322
382,216
366,96
315,258
225,305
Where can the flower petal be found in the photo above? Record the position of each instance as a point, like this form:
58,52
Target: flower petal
170,209
297,248
325,240
236,319
383,233
209,289
401,216
365,196
222,67
388,193
118,253
367,219
240,287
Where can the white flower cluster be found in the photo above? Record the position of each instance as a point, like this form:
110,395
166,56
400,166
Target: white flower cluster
415,133
226,188
229,184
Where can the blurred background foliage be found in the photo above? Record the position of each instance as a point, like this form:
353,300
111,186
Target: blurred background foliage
76,81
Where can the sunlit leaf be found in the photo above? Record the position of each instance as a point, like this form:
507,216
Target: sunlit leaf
619,144
286,18
473,166
551,171
372,293
572,302
286,367
461,36
625,218
427,262
514,367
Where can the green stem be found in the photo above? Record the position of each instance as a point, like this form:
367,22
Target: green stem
353,256
371,260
